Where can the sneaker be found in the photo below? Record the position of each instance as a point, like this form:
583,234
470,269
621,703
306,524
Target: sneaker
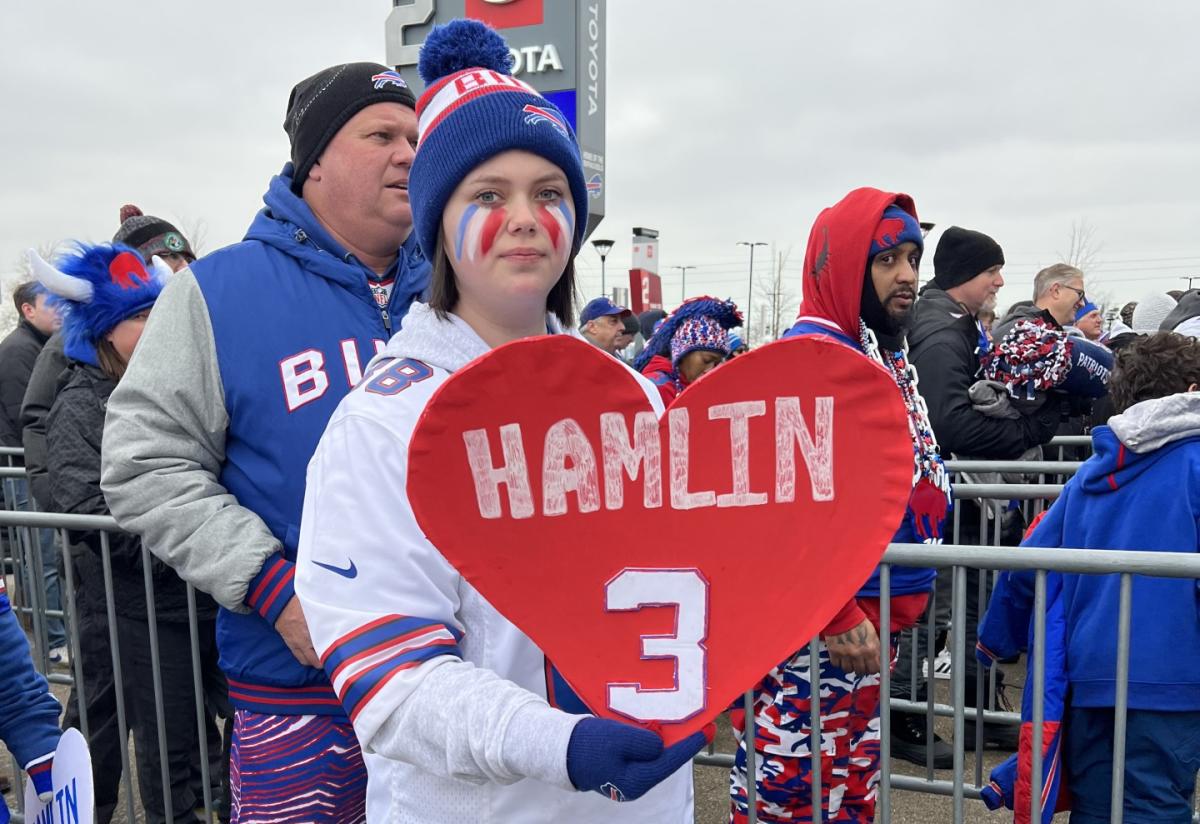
60,657
909,741
941,666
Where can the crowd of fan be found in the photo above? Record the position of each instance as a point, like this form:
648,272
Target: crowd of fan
208,432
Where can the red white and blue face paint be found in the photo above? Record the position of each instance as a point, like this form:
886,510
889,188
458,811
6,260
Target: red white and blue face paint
558,222
479,226
477,230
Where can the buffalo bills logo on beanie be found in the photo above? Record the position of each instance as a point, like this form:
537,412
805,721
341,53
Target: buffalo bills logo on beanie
388,77
321,105
98,286
471,111
895,227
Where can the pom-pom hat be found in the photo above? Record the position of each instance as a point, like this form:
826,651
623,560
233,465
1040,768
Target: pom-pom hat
98,286
473,110
698,334
704,322
150,235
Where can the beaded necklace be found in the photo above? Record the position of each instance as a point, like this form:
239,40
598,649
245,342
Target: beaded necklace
927,459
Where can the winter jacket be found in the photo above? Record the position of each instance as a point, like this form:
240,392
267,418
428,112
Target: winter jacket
457,700
28,712
1019,312
50,373
244,359
663,375
1005,632
18,353
1139,491
944,344
74,429
1188,309
834,267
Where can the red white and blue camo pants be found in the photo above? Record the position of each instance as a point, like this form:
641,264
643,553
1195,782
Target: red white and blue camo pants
849,746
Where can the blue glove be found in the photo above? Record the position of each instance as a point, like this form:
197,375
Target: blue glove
624,762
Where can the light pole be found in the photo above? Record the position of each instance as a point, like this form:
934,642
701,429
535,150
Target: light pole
683,281
750,298
1189,279
603,247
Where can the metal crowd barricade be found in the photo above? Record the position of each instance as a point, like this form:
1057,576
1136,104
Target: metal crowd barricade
959,559
17,525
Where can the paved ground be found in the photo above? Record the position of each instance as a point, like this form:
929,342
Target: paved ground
712,783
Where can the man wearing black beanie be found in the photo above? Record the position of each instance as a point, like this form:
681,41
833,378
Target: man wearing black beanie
946,341
209,433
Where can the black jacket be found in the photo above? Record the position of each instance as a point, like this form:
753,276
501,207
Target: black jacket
73,434
942,345
18,352
1187,308
50,374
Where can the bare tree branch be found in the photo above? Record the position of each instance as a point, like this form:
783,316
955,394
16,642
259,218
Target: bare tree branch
1084,250
196,232
775,302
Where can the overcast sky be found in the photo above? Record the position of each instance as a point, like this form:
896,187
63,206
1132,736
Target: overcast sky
1015,119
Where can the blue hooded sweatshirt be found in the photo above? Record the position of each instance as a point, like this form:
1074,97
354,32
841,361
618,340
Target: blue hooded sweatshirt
287,301
1139,491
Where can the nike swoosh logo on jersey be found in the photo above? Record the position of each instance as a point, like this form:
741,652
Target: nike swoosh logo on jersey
346,572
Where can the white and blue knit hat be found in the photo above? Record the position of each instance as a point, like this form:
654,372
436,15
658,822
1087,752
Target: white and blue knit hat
473,110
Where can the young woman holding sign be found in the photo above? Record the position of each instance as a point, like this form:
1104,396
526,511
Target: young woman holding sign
447,697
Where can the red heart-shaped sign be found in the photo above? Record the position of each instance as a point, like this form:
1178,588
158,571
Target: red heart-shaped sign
664,566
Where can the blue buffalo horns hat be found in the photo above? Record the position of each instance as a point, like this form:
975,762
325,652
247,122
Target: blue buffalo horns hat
598,307
472,110
98,286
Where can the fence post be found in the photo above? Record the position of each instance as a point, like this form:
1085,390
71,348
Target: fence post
1124,611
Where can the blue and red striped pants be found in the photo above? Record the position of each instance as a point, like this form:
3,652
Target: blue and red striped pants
294,768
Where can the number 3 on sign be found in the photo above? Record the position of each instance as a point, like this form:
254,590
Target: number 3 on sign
687,591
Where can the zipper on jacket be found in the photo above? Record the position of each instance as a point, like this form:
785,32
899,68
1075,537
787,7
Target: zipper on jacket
301,236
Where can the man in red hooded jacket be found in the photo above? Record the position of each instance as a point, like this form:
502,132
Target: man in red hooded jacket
860,284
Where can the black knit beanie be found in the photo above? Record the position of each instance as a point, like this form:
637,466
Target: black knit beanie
962,254
320,105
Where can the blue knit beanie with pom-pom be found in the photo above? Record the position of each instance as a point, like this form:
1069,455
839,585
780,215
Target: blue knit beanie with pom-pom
471,111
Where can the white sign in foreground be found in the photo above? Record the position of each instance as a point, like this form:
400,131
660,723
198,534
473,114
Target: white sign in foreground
74,799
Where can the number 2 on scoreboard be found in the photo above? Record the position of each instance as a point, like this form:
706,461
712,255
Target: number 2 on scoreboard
687,591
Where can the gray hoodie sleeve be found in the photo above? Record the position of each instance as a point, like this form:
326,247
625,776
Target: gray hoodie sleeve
164,443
